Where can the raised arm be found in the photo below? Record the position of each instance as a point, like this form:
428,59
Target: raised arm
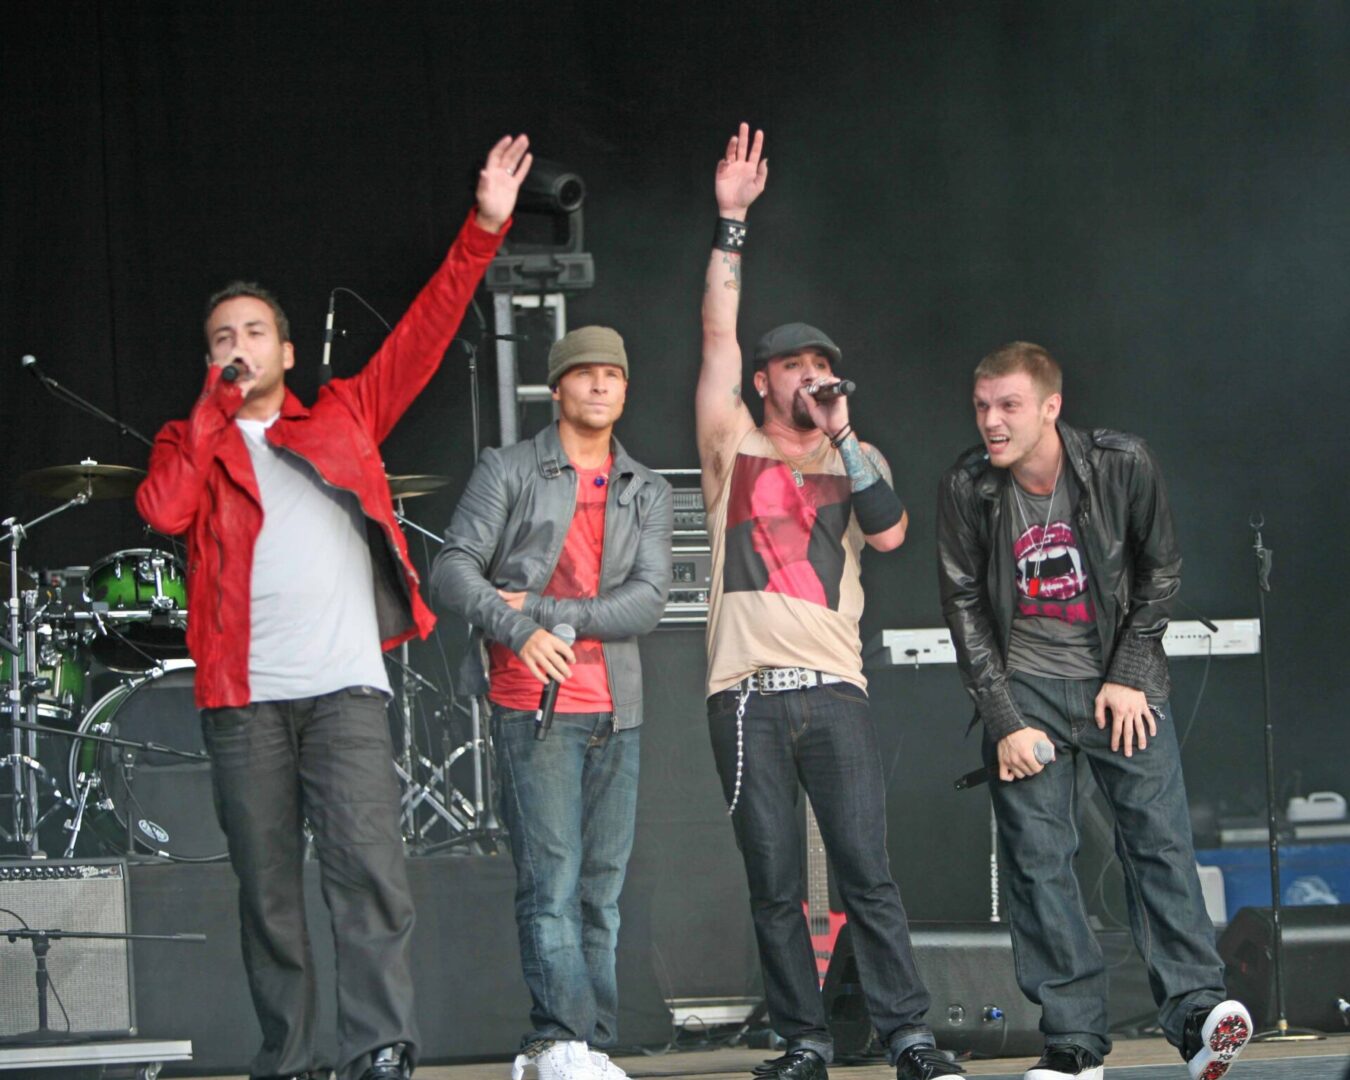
721,418
410,355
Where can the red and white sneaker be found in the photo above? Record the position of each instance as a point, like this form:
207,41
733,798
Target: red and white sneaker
1222,1033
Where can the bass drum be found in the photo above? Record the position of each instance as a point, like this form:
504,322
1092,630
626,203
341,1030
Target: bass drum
169,797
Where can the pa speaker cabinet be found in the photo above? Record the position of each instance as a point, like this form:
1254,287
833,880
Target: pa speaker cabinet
1316,947
968,969
90,983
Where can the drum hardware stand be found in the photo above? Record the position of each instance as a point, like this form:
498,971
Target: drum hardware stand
42,942
481,821
24,801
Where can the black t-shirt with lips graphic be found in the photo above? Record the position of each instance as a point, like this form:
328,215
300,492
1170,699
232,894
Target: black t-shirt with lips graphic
1054,631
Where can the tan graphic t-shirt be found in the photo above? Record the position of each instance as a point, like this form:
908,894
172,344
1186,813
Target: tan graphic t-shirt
786,576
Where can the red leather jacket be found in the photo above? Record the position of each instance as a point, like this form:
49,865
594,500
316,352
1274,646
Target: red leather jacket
201,478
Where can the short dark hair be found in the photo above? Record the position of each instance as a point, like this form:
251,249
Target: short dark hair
1019,356
236,289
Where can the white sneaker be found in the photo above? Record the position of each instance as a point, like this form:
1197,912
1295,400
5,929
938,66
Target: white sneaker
605,1068
559,1061
1226,1030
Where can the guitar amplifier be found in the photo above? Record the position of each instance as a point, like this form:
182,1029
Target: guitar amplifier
691,557
90,979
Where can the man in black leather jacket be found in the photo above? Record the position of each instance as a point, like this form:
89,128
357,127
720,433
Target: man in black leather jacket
1057,564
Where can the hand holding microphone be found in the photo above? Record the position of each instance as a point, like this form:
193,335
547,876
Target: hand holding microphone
548,698
824,392
1043,750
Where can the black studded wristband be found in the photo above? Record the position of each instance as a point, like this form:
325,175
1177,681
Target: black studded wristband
729,235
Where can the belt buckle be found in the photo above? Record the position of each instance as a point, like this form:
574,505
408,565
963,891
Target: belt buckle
776,680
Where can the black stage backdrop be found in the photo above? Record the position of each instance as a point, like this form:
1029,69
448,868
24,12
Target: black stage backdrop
1154,191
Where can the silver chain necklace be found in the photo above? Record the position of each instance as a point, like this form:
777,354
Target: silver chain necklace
1038,552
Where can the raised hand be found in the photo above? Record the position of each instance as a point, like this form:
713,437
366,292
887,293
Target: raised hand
500,178
741,174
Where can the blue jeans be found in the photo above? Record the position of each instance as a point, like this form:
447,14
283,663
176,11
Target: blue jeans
1059,962
328,760
570,806
823,739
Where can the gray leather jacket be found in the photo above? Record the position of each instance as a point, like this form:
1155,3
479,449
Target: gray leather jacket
1124,524
508,531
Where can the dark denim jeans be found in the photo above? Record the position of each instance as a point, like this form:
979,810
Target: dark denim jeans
570,806
328,760
1059,962
823,738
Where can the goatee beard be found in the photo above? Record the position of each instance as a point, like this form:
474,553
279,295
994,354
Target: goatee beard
801,419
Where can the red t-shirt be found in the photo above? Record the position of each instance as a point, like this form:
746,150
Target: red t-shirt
577,576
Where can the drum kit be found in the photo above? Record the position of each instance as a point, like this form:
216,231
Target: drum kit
105,755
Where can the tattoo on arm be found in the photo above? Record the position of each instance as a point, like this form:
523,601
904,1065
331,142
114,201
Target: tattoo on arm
733,262
861,465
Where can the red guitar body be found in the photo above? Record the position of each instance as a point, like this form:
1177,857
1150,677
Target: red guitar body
822,944
823,923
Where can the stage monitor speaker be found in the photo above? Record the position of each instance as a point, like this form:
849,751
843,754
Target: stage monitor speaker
90,982
976,1003
1316,942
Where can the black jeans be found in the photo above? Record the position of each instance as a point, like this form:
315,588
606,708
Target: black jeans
326,760
823,738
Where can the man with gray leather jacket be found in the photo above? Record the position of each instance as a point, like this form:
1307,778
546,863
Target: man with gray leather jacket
565,529
1057,564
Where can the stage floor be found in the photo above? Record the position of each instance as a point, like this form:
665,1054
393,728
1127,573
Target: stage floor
1135,1059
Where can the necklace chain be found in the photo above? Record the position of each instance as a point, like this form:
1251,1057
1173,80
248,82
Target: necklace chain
1039,551
795,464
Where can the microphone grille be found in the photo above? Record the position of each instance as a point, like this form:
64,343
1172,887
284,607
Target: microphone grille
1044,751
567,632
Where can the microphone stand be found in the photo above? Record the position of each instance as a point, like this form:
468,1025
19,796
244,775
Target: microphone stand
69,397
42,943
1281,1032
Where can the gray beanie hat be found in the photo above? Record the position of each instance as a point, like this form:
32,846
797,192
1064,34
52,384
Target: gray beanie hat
586,345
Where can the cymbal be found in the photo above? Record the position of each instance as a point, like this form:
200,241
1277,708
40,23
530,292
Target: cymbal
67,481
412,485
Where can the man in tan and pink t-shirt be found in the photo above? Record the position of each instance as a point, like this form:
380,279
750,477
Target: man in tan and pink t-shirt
791,502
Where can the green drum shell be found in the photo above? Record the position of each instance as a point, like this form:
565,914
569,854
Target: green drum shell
125,580
65,697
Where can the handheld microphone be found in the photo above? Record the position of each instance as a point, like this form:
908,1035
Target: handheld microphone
1044,751
326,368
233,370
543,718
29,361
830,391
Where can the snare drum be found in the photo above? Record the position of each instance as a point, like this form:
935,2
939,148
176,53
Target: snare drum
146,620
172,810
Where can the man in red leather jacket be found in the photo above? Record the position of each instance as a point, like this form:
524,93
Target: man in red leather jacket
298,576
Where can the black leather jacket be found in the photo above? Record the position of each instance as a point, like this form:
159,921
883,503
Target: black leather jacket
1124,526
507,533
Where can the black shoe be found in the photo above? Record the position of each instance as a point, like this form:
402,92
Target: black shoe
1066,1062
798,1065
389,1063
925,1063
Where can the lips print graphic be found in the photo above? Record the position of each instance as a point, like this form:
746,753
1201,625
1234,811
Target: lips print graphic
1049,565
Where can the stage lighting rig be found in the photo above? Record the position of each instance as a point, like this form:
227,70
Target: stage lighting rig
544,253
